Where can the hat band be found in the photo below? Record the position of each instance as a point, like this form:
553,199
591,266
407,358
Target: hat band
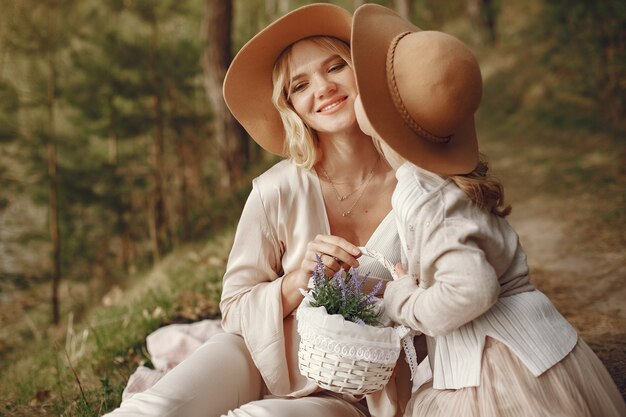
397,100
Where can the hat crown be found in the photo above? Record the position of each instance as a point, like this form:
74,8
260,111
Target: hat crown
438,80
248,83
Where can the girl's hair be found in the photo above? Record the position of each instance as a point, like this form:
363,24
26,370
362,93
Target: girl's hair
484,190
300,140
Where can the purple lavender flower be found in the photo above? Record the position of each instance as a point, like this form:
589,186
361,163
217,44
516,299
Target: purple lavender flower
342,294
369,298
318,271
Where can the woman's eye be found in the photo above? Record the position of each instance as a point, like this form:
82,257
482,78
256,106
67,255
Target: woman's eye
298,87
337,67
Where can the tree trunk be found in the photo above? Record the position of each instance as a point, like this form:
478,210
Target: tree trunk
113,137
55,237
275,9
179,225
484,14
159,233
283,7
230,139
403,8
489,13
271,10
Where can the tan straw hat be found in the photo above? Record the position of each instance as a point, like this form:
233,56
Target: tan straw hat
248,82
419,89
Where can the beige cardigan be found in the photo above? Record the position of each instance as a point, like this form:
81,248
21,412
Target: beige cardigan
473,283
283,213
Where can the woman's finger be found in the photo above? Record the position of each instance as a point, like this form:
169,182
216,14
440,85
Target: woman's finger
339,242
344,255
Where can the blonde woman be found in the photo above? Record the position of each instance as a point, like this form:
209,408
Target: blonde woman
293,90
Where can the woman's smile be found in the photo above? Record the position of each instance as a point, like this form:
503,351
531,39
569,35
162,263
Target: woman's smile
331,106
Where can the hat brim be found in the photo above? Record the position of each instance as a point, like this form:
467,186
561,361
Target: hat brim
373,29
248,82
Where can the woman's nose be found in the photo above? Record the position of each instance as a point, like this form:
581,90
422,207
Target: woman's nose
325,87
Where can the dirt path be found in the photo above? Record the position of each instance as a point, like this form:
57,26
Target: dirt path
589,289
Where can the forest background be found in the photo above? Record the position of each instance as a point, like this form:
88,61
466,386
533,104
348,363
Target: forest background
122,174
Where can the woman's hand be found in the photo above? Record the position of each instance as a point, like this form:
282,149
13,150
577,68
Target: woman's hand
335,253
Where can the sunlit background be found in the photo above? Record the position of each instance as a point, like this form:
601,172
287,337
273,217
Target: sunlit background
122,173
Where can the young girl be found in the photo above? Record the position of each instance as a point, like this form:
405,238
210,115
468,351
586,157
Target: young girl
497,346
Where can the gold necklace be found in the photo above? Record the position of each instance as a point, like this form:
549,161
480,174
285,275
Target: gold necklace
362,186
345,196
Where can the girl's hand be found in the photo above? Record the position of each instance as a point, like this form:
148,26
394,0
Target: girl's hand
400,270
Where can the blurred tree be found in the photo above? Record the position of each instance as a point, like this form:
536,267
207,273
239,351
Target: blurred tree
231,141
9,107
404,8
587,47
108,97
137,88
152,59
51,50
275,8
104,121
434,14
484,14
36,31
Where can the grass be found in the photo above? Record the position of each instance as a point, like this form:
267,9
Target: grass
54,376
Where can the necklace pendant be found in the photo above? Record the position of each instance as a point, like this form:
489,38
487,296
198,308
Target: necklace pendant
362,187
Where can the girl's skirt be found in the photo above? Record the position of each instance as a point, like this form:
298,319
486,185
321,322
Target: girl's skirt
577,386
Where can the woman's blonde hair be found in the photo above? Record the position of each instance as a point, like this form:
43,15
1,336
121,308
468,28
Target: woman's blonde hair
301,143
484,190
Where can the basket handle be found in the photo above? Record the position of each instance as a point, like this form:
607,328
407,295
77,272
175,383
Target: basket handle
405,333
380,258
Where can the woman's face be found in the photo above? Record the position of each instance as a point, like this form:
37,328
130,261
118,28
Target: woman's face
322,88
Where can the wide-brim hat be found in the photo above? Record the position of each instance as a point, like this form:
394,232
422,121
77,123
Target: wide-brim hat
419,89
248,82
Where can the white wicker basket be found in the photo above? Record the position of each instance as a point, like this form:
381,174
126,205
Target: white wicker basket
343,356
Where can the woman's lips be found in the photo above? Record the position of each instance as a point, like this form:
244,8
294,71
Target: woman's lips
331,105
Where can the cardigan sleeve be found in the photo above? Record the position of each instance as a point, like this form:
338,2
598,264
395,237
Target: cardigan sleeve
462,283
251,284
251,295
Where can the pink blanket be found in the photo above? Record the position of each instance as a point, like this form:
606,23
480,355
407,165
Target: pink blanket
168,346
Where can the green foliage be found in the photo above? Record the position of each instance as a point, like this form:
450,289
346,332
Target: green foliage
433,14
343,294
184,287
121,71
546,139
9,106
586,42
